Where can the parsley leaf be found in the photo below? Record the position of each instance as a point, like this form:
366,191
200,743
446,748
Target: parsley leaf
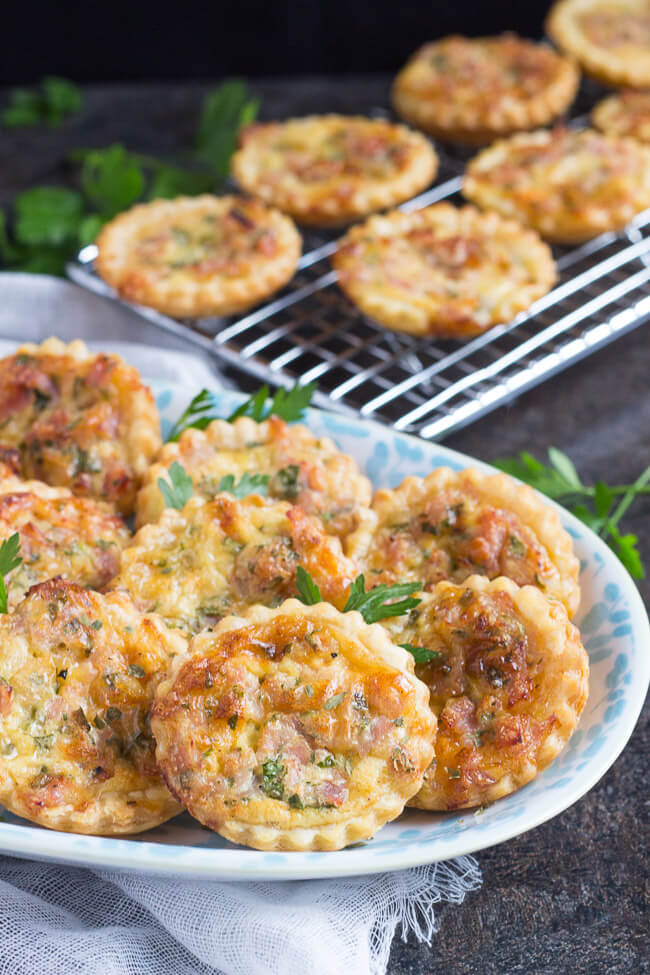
181,490
420,654
376,604
9,560
593,505
57,99
247,484
288,404
198,414
112,179
225,110
308,591
382,601
48,215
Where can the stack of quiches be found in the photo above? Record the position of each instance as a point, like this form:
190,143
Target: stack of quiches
442,271
175,668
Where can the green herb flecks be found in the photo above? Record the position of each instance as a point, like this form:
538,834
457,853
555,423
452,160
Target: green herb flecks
308,591
247,484
421,655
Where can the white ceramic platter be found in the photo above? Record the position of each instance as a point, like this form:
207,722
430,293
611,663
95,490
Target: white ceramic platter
615,629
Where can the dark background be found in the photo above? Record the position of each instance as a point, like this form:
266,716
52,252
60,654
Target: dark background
119,41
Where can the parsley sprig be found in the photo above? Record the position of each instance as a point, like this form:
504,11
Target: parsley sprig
49,104
377,604
9,560
600,506
247,484
50,223
179,489
288,404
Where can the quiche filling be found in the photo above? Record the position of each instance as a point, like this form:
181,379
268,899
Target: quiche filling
276,715
453,536
65,536
67,418
218,557
206,243
615,28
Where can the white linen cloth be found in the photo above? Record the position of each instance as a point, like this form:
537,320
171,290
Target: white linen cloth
59,920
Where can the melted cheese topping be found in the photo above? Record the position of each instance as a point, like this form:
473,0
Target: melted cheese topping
303,469
508,679
567,185
288,720
217,557
443,270
198,256
332,168
625,114
78,420
453,525
77,677
59,535
468,88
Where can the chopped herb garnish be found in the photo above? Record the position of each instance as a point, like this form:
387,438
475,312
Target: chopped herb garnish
232,721
273,773
295,802
9,560
247,484
285,482
288,404
308,591
177,493
517,547
334,701
136,670
420,654
381,602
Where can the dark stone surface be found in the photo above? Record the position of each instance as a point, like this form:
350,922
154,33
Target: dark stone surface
570,896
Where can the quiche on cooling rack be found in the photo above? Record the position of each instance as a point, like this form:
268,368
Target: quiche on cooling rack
295,465
472,90
211,558
79,420
455,524
610,38
508,678
625,114
198,256
568,185
77,538
328,170
78,675
298,728
443,270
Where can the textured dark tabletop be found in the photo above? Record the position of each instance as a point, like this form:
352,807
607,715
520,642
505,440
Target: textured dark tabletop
572,895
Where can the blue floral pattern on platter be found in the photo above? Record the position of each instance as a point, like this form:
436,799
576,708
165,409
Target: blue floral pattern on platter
616,634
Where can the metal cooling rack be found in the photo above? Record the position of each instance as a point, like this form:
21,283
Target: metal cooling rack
311,332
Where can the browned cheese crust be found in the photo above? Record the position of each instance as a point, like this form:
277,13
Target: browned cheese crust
451,525
299,728
77,538
472,90
77,677
508,678
77,420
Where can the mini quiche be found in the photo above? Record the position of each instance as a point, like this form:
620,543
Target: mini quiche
624,114
444,270
299,467
454,524
474,89
570,186
77,538
193,257
508,678
299,728
609,38
216,557
78,420
77,677
328,170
